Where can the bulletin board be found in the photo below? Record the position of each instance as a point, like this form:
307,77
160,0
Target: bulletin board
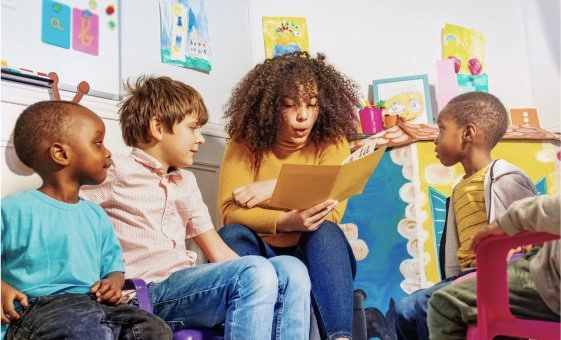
77,39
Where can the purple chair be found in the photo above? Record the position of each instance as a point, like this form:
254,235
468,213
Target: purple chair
144,302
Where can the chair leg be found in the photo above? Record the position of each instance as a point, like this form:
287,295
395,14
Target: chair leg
359,317
314,329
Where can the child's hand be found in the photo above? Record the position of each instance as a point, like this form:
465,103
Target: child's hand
490,229
495,229
520,249
306,220
9,295
109,289
252,194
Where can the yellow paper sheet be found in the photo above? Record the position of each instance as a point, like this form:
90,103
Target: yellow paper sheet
301,187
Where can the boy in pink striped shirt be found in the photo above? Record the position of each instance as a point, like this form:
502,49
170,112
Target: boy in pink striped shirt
156,205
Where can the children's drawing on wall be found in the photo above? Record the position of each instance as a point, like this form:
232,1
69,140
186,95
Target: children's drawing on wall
184,34
408,98
467,48
284,35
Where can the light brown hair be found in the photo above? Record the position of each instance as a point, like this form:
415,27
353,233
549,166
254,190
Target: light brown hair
161,97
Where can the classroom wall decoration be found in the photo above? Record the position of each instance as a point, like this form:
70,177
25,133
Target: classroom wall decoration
79,40
467,48
447,83
408,97
284,35
184,36
524,116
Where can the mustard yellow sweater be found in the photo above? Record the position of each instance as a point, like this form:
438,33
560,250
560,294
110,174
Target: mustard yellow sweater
236,171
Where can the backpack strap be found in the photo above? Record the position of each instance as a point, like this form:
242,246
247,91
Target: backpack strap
492,177
442,247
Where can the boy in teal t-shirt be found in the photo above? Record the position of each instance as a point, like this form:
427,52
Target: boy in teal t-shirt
62,267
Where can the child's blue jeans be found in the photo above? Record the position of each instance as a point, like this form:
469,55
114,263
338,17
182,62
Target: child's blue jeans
410,312
79,316
254,298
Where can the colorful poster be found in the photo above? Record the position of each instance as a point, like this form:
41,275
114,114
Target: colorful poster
524,117
379,218
447,83
62,25
55,24
284,35
467,48
85,36
184,36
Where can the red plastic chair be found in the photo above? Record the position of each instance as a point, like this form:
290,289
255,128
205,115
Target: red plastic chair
493,312
144,302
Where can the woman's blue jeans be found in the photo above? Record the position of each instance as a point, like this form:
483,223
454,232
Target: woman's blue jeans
253,298
331,266
80,316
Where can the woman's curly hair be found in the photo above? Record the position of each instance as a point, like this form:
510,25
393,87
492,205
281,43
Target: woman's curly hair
254,111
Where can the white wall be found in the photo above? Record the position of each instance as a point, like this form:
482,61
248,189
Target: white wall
542,25
389,38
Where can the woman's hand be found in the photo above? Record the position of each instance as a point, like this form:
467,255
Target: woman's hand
9,295
252,194
305,220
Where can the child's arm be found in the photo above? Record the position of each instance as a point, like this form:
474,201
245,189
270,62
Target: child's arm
109,289
538,213
9,295
214,248
489,230
254,193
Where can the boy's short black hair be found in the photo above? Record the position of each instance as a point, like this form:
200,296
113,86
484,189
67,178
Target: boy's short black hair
39,125
483,110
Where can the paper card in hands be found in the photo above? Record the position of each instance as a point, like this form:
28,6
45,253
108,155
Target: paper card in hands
300,187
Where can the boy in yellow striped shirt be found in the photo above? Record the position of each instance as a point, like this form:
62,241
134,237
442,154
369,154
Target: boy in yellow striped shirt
470,126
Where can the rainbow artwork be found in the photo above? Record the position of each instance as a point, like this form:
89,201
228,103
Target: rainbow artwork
284,35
